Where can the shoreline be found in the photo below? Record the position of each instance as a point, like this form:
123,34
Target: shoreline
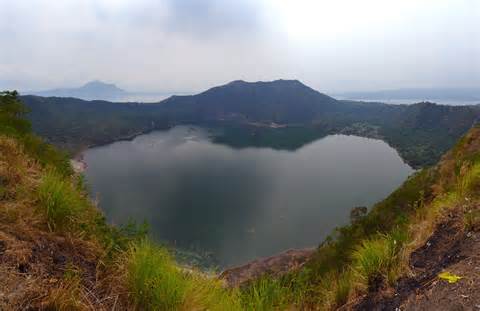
77,160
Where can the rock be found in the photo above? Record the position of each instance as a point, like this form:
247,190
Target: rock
276,266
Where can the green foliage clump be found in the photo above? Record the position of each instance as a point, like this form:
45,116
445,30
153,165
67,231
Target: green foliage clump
60,201
13,123
12,114
157,283
67,207
377,259
154,280
266,294
470,182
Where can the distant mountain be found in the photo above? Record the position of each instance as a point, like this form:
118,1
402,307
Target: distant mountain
90,91
419,94
284,101
282,114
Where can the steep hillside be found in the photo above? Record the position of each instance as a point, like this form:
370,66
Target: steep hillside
58,253
283,114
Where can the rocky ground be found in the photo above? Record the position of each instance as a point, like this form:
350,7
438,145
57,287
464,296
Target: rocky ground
276,265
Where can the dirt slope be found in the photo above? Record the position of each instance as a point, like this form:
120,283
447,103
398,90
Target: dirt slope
41,269
450,248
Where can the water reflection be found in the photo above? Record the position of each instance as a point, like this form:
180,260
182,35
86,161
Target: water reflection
240,204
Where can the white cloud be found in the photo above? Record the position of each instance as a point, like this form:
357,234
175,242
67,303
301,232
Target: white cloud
193,44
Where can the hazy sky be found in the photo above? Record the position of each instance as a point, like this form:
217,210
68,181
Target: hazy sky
190,45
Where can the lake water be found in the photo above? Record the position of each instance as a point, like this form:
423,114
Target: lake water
239,204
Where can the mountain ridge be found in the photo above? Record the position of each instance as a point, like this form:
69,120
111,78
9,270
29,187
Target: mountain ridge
420,132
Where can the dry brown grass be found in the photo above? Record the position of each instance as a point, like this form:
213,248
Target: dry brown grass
35,263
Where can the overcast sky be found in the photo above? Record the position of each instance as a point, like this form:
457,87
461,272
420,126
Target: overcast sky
191,45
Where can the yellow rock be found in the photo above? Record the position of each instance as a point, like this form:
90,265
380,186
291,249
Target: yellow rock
450,277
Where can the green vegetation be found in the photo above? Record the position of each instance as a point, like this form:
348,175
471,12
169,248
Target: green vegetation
266,294
48,198
43,199
378,258
13,123
154,280
244,112
374,249
60,201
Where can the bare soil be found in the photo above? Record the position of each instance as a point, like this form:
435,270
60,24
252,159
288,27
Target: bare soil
34,265
450,248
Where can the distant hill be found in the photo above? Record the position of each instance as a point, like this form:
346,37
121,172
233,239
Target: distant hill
98,90
419,94
282,114
90,91
285,101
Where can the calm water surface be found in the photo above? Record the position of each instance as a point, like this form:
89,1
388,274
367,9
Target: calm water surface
239,204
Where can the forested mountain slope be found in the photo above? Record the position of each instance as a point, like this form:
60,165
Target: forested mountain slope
262,113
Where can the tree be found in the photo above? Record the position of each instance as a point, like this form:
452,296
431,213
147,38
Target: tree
12,114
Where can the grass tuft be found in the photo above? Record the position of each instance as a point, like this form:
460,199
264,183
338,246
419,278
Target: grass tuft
469,183
59,200
69,295
157,283
377,258
153,279
265,294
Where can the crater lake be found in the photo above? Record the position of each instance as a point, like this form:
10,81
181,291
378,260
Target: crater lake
239,204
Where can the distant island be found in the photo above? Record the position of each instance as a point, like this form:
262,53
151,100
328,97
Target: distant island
98,90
